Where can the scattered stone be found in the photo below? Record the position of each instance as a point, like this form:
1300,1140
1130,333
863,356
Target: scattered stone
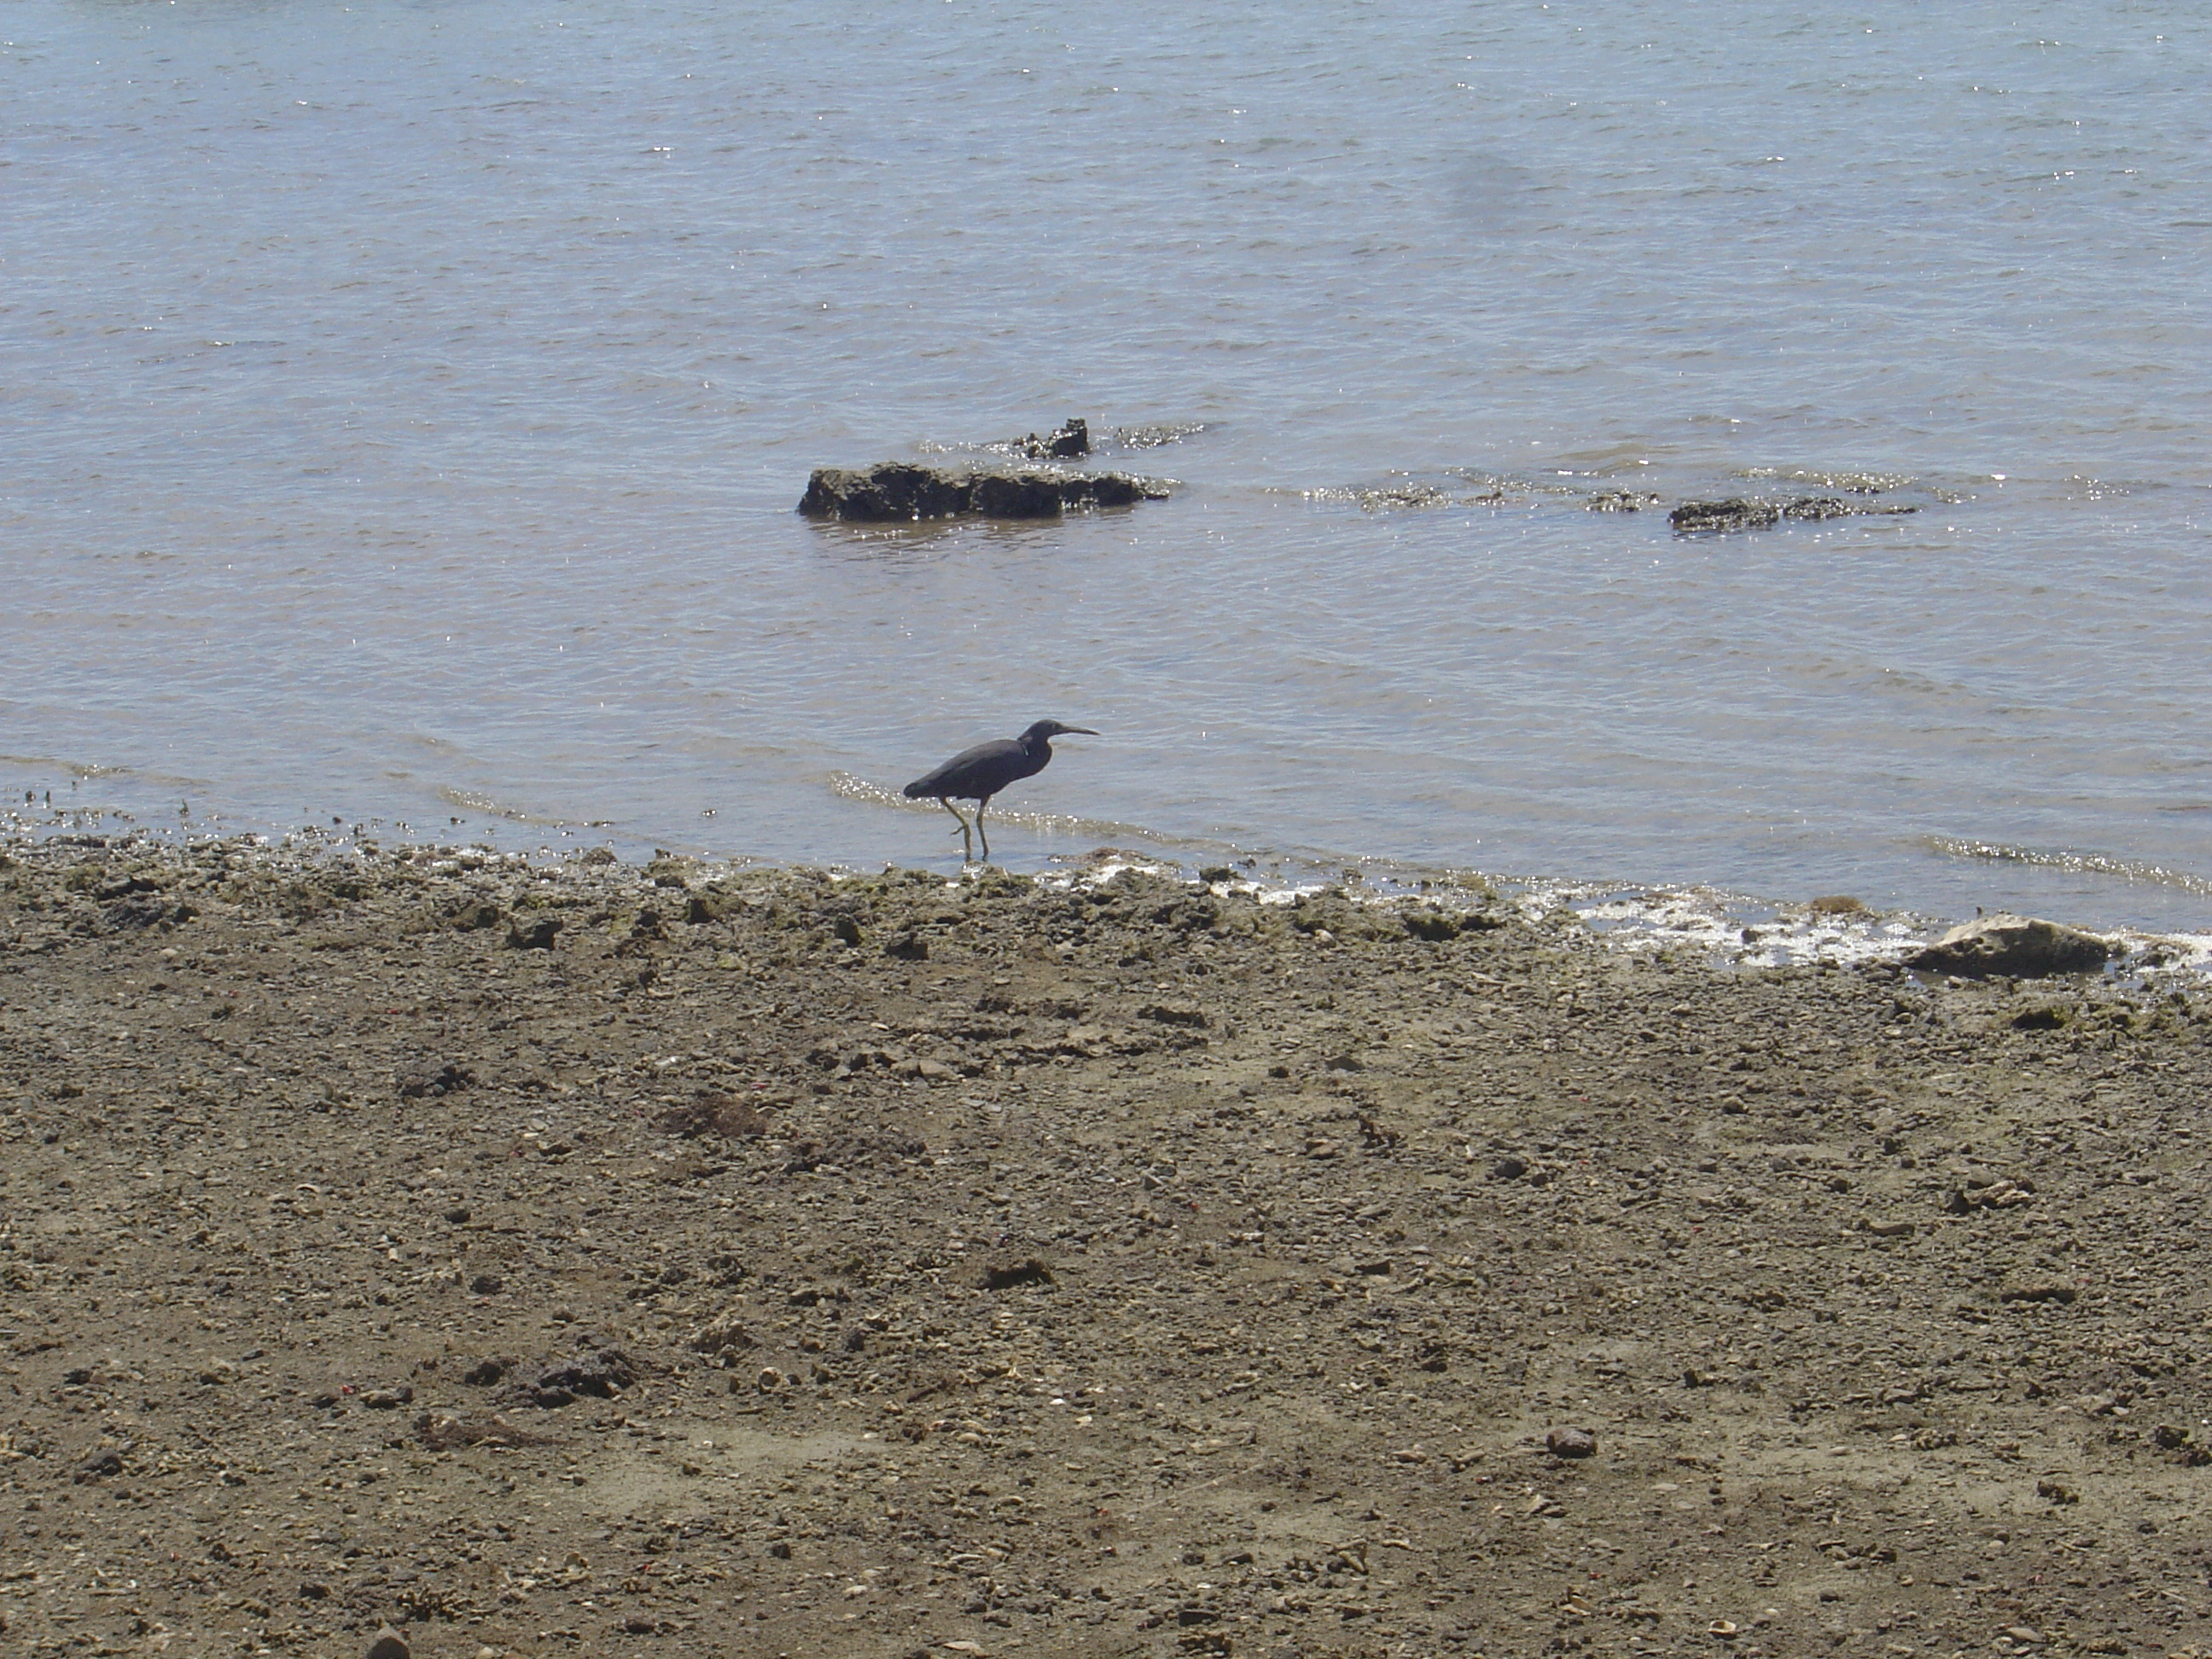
417,1079
472,914
600,1375
1438,926
1571,1442
133,915
1838,905
711,1114
388,1644
532,931
2021,947
443,1433
720,1336
1004,1276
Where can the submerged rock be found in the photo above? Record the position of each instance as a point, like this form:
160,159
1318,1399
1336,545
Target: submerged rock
1740,513
902,491
2024,947
1734,514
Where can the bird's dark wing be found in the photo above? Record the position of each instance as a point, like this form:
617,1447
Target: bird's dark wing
974,773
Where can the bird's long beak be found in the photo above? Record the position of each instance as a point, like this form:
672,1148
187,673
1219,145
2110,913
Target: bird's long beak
1084,730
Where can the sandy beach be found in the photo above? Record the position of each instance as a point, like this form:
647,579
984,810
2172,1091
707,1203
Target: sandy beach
683,1260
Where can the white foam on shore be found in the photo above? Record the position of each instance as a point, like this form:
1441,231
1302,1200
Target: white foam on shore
1728,927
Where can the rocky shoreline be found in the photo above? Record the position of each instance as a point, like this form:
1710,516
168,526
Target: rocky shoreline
677,1259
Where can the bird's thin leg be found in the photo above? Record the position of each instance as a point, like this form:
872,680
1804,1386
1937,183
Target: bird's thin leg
980,831
967,847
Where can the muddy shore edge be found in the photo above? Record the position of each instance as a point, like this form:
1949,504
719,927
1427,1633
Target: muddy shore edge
678,1260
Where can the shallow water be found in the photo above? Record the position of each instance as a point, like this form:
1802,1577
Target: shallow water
407,405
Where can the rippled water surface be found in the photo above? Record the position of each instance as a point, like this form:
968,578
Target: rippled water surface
406,404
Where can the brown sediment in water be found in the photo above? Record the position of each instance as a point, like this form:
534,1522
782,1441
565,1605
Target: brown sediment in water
686,1261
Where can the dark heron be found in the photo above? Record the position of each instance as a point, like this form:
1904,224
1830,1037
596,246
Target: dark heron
979,773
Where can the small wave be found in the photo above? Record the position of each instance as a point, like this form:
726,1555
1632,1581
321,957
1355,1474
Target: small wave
1852,480
470,801
76,769
1403,495
845,784
1152,437
2087,864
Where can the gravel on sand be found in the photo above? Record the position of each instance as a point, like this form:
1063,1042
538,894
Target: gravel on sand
686,1261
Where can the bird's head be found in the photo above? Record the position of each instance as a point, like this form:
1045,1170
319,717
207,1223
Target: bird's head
1045,729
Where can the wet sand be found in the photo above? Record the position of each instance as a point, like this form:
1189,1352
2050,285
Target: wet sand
682,1261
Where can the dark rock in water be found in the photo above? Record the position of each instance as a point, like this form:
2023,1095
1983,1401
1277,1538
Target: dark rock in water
1015,496
1067,443
892,491
2021,946
1109,490
902,491
1735,514
1739,513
